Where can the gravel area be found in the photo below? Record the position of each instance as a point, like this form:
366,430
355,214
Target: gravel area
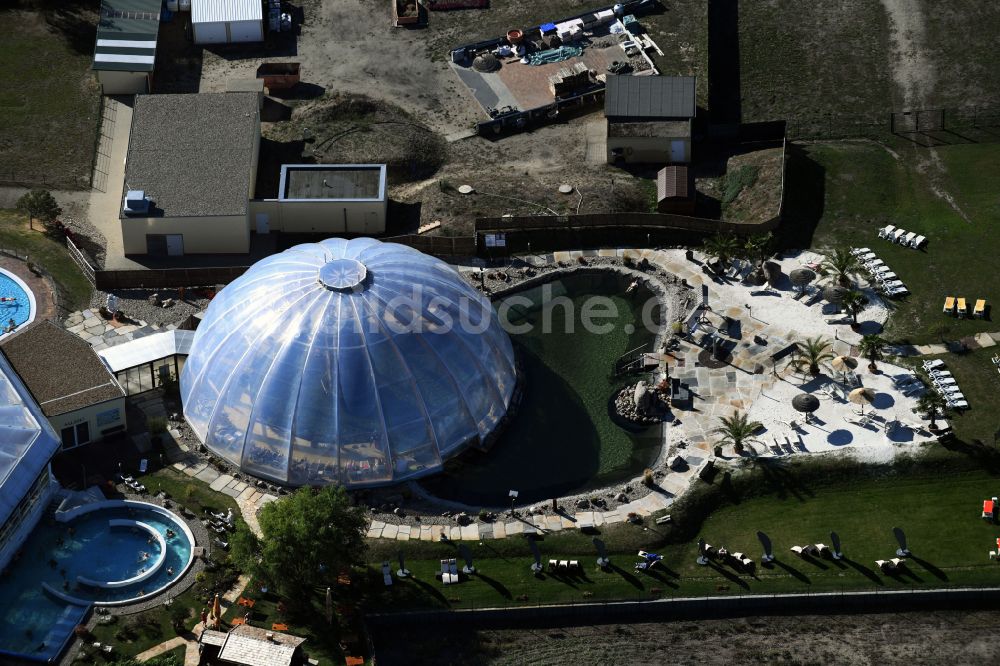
138,304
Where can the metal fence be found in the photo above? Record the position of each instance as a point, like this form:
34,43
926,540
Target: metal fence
81,260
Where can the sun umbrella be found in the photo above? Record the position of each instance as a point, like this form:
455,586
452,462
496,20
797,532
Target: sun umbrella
860,396
216,609
834,293
805,402
844,363
800,277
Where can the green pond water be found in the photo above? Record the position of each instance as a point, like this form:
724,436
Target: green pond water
562,440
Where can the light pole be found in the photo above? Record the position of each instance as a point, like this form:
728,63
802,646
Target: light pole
749,310
513,498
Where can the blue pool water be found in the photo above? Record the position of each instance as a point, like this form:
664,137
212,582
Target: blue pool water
34,622
18,309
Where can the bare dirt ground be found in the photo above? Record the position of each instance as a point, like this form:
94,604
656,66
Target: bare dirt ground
860,640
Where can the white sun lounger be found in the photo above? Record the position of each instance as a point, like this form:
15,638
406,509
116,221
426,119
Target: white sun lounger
917,242
897,235
908,238
959,404
886,230
898,291
936,363
859,251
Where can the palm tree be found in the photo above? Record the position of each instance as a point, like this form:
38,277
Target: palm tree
737,430
854,302
841,265
872,347
934,406
811,354
756,248
722,247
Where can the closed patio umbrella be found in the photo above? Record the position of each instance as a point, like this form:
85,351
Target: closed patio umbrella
806,403
860,396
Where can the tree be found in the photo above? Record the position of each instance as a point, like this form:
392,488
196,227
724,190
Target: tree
811,354
872,347
737,430
308,537
722,247
854,302
934,406
842,265
39,204
757,248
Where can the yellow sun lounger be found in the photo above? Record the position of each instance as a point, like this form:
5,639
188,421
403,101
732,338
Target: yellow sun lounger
949,305
980,310
962,310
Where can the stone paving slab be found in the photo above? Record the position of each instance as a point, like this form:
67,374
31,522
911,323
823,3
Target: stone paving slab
221,482
404,533
514,528
390,531
239,486
455,533
499,531
470,532
426,533
374,533
208,474
194,469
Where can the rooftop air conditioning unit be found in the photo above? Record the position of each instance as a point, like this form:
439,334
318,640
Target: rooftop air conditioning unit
136,203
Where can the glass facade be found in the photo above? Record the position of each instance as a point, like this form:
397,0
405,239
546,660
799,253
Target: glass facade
146,377
355,362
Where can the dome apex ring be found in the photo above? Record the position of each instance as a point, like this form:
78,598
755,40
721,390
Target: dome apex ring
342,274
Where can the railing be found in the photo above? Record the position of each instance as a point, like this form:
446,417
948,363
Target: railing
81,260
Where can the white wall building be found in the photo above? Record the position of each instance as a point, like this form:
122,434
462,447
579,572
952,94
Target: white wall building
227,21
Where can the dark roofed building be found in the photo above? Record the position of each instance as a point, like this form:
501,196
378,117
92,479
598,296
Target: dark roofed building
649,118
675,191
68,380
125,52
192,166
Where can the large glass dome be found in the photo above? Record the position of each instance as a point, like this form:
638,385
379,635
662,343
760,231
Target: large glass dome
354,362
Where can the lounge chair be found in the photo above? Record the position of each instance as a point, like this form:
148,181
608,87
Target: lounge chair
867,255
949,305
936,363
959,404
797,550
898,291
960,305
886,275
574,565
553,565
444,566
143,465
893,284
886,230
917,242
860,251
897,235
453,566
980,309
908,238
873,264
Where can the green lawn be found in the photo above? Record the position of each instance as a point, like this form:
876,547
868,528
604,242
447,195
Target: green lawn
794,506
47,253
864,187
49,98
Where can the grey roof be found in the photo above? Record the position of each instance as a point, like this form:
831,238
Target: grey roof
251,646
126,35
62,371
192,154
650,97
332,181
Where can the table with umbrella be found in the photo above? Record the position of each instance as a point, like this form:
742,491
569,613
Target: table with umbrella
844,364
806,403
801,277
835,294
861,396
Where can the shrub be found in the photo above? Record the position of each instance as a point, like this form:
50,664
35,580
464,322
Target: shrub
157,425
647,477
484,514
178,615
736,181
81,631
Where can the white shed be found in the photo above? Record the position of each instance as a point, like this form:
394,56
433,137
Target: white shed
227,21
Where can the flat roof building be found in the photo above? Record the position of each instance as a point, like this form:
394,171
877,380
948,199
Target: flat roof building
247,645
194,159
71,384
125,52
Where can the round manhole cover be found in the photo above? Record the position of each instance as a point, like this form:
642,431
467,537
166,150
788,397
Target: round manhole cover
465,189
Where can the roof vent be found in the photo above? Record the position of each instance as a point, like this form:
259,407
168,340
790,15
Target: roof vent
136,202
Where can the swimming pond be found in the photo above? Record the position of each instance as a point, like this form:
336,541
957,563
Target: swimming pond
563,440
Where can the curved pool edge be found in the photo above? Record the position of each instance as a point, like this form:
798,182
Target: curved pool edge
32,307
84,509
154,567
